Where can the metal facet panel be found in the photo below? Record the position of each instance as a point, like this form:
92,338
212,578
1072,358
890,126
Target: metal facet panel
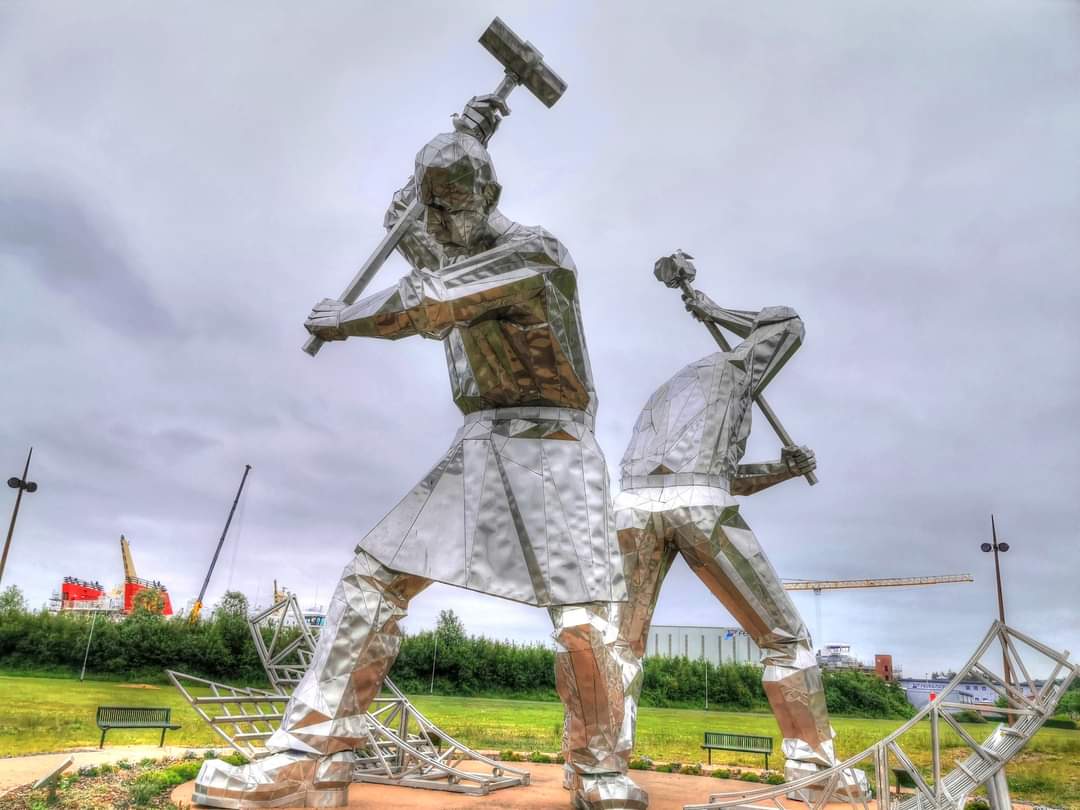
523,60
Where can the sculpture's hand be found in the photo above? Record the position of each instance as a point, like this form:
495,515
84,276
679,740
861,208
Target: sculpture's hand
325,320
481,116
799,460
697,305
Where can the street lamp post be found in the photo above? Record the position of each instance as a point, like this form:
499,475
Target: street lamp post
999,547
23,485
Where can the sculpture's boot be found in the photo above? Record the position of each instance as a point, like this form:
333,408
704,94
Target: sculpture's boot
284,779
607,791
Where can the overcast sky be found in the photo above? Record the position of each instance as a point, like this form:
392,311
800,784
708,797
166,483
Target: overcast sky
179,183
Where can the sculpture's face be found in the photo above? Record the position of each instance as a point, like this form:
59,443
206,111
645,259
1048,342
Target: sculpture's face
460,231
455,181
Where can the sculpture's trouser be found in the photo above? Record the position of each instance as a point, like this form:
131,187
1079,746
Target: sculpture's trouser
596,672
357,647
703,524
598,678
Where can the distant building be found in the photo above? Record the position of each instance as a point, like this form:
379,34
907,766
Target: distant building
883,667
921,691
838,657
718,645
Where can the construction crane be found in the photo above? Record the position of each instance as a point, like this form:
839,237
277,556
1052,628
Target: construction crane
129,563
196,609
819,585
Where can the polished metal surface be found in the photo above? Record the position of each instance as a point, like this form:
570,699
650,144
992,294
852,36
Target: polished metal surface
402,747
524,65
519,506
679,472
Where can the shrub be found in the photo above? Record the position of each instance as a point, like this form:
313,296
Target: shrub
969,716
669,767
691,770
977,804
773,778
722,773
539,758
510,756
142,794
750,776
1061,722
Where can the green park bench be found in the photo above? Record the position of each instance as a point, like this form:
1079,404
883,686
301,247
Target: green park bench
722,741
134,717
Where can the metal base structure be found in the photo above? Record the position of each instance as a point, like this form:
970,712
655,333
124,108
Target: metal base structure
1029,706
403,746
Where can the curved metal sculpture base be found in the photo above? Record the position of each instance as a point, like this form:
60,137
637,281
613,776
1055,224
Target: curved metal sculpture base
1030,704
403,747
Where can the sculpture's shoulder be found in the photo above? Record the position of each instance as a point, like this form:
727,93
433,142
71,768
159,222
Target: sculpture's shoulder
538,246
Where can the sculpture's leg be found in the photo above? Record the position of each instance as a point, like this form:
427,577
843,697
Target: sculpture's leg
647,556
325,718
724,553
598,678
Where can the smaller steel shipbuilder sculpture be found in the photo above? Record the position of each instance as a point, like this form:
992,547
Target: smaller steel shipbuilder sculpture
679,473
518,507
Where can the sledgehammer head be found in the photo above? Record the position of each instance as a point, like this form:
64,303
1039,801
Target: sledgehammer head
521,58
675,269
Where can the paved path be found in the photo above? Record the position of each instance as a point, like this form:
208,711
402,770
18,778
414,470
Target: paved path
667,791
15,771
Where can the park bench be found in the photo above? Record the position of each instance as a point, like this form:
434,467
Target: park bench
722,741
134,717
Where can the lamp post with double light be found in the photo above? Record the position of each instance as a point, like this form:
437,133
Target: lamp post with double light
23,485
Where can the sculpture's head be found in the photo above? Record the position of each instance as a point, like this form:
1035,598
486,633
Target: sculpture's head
456,183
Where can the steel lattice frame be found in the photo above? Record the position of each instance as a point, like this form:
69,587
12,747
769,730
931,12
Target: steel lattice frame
1029,707
403,747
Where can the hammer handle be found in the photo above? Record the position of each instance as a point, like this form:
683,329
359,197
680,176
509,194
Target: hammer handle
766,409
375,261
368,270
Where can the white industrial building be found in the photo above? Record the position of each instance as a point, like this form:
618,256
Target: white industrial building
718,645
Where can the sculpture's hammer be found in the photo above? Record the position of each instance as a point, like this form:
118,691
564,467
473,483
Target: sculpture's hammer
525,66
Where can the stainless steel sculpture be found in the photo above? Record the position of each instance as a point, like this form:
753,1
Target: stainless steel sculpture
1032,699
518,507
679,472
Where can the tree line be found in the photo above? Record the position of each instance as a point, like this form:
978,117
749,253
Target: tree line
446,660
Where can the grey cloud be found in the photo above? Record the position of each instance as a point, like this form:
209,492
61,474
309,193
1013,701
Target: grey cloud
60,239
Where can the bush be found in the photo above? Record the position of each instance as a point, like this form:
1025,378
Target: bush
750,776
641,763
859,694
722,773
510,756
691,770
539,758
977,804
1061,722
669,767
969,716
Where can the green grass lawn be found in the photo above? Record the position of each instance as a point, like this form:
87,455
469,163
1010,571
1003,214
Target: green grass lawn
47,714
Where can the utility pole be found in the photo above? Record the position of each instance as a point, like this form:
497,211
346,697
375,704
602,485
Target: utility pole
23,485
